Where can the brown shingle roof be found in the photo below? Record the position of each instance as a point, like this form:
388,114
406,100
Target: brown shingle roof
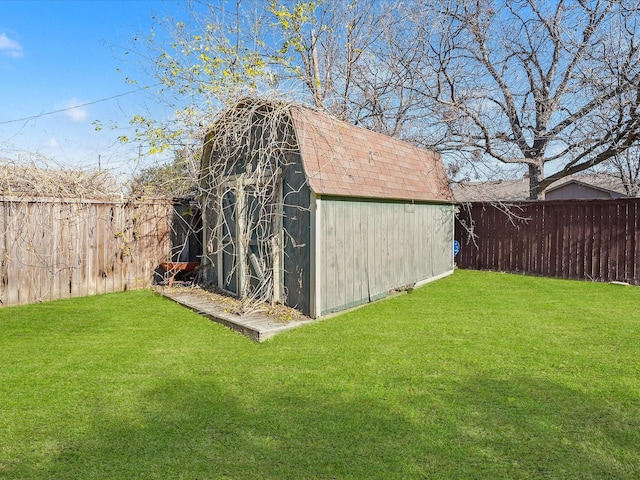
510,190
341,159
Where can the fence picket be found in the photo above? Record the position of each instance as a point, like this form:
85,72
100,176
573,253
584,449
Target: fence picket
61,248
579,239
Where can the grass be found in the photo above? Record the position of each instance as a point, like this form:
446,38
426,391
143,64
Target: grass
479,375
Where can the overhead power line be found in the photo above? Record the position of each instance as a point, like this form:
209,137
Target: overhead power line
43,114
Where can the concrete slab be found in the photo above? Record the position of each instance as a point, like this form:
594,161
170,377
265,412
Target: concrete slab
257,325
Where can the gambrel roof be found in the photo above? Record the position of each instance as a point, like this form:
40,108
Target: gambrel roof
338,158
345,160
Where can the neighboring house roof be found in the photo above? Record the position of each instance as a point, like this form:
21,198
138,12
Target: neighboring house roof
492,191
342,159
512,190
607,185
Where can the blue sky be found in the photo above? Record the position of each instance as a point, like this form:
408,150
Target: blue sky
56,54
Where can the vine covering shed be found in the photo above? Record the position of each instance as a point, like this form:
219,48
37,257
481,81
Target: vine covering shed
318,214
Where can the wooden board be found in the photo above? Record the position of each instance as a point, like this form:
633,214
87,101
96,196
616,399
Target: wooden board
372,247
581,239
53,248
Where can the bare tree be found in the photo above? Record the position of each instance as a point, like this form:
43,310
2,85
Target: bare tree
177,179
544,84
356,60
554,87
351,58
626,168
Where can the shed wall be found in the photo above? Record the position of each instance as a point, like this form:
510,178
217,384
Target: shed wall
186,234
368,248
296,239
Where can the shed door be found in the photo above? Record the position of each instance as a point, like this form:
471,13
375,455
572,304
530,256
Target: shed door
228,278
251,256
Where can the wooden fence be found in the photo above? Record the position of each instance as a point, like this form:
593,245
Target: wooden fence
587,240
62,248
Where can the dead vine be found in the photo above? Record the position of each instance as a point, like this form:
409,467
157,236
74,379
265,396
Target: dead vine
242,190
68,232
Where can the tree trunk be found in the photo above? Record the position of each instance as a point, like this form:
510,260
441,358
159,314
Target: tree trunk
536,175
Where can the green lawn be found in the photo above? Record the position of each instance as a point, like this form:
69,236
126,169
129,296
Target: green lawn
478,375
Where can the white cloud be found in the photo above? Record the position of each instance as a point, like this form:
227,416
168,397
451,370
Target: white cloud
75,112
52,142
10,47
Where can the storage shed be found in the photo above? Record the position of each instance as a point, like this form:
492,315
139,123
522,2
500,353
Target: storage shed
315,213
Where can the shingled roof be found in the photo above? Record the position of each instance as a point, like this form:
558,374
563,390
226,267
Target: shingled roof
345,160
513,190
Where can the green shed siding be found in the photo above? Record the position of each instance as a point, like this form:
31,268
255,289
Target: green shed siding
367,248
